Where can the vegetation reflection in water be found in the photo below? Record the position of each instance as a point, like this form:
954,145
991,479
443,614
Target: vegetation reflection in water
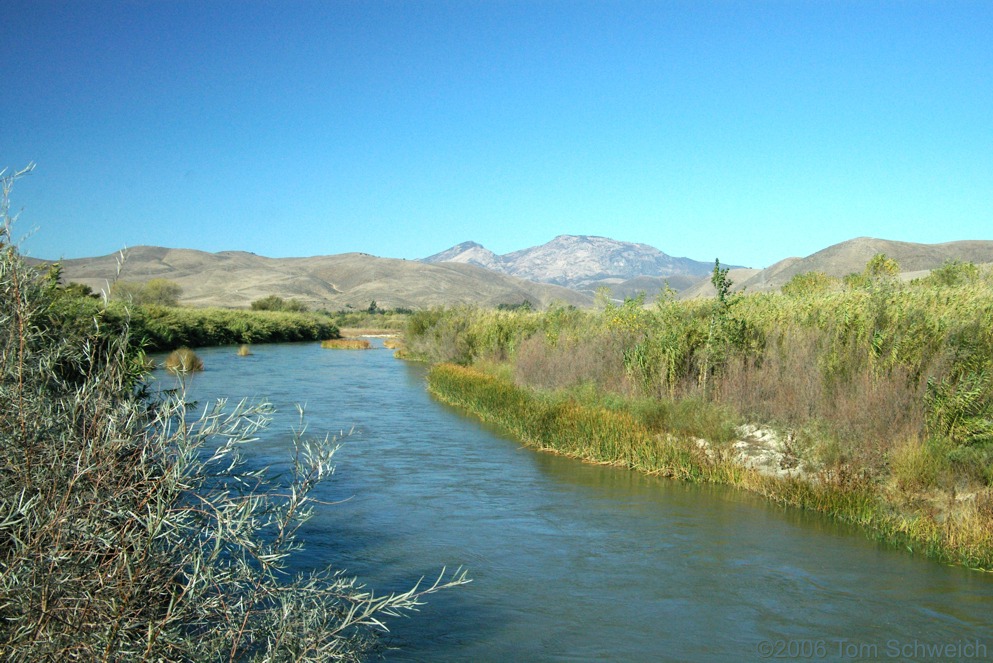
573,561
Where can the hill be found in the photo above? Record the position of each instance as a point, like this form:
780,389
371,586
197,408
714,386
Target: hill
234,279
839,260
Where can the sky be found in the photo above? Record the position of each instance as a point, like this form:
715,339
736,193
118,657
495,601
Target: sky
747,131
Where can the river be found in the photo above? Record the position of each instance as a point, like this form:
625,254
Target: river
578,562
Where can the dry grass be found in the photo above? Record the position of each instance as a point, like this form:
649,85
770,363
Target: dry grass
346,344
183,360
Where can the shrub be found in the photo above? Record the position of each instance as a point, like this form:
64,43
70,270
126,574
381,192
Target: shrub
274,303
881,266
954,273
156,292
808,283
130,530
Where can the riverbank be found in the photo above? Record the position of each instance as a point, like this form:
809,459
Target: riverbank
958,534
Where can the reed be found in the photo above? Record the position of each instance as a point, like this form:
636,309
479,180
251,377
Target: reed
566,426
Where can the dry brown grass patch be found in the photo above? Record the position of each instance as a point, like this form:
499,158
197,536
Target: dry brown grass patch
346,344
183,360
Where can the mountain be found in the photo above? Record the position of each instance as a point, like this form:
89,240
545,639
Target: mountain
234,279
584,263
851,256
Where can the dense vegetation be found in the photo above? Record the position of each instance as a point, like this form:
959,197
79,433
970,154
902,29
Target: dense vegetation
131,530
160,327
882,390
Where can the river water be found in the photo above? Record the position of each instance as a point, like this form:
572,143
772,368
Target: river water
576,562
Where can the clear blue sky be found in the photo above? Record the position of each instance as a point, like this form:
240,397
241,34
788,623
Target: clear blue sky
749,131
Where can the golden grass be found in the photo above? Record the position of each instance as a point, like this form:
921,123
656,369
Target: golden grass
346,344
183,360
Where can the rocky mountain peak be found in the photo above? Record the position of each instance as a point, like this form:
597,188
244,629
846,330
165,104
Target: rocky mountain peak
583,262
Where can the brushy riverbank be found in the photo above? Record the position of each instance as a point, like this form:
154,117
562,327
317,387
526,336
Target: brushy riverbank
596,434
882,391
160,328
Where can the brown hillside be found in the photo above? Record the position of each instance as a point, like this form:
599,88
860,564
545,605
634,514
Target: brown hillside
839,260
234,279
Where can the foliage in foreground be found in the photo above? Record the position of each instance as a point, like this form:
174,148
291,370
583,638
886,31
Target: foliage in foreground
131,529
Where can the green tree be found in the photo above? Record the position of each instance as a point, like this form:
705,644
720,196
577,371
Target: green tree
270,303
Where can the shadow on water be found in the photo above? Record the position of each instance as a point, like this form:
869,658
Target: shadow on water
572,561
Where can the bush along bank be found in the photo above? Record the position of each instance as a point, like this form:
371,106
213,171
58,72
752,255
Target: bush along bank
876,395
161,328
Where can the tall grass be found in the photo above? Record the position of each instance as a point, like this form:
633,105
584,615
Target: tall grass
565,425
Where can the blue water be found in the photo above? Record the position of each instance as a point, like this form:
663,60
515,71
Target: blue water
577,562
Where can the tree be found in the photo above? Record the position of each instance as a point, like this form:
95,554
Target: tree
719,277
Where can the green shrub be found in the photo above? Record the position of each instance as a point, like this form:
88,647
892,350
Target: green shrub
156,292
954,273
808,283
274,303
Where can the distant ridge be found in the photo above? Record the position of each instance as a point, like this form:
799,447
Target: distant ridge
566,270
585,263
234,279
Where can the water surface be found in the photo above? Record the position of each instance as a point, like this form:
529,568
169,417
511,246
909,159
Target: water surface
577,562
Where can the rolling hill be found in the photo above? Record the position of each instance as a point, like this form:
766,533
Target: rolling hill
570,268
233,279
851,256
